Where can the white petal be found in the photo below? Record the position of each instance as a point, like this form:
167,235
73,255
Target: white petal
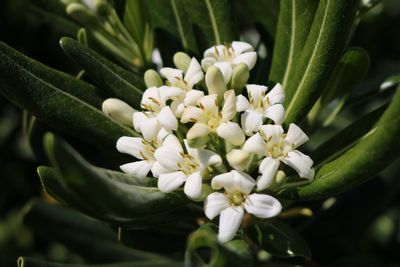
158,169
229,223
167,119
138,168
267,169
193,114
301,163
255,144
172,75
214,204
149,128
209,102
229,109
276,95
193,185
173,142
162,134
194,73
233,181
241,47
226,70
256,92
177,106
262,206
168,182
207,158
208,62
242,103
131,145
168,157
271,133
295,136
232,132
210,52
276,113
251,121
169,92
248,58
198,130
192,97
151,98
138,117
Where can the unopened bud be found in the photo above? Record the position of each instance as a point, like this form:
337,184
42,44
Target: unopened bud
182,61
280,175
240,77
119,111
238,159
198,136
152,79
215,82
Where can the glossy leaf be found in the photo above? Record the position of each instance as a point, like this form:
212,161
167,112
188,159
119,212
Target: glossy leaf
203,249
322,50
372,154
57,99
295,19
114,80
279,239
119,202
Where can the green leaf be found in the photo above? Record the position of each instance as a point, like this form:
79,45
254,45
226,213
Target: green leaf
212,21
350,71
57,99
119,202
203,249
322,50
279,239
295,19
116,81
372,154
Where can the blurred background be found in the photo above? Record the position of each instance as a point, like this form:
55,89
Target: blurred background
358,228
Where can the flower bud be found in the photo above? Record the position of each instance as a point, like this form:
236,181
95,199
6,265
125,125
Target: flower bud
119,111
215,82
240,77
152,79
238,159
182,61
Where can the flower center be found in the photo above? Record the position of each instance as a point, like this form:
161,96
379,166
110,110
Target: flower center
153,105
236,198
260,105
189,164
228,53
180,83
149,147
280,149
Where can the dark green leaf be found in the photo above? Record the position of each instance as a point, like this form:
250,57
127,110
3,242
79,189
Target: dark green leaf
279,239
116,81
372,154
322,50
119,202
203,249
295,19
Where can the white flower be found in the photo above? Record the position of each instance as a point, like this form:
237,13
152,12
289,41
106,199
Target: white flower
235,200
157,112
188,95
272,143
143,149
207,118
260,105
183,167
225,56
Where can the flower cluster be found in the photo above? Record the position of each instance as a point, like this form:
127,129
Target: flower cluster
201,131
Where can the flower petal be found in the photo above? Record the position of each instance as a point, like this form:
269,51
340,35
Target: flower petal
207,158
193,114
271,133
138,117
233,181
158,169
295,136
229,109
231,132
242,103
169,158
251,121
248,58
209,103
226,70
276,113
151,98
267,169
139,168
276,95
194,73
192,97
301,163
177,106
208,62
167,119
198,130
214,204
131,145
168,182
171,74
262,206
149,128
241,47
210,52
169,92
256,145
229,223
256,92
173,142
193,185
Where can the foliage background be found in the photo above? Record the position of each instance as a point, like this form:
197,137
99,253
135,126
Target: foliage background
361,227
